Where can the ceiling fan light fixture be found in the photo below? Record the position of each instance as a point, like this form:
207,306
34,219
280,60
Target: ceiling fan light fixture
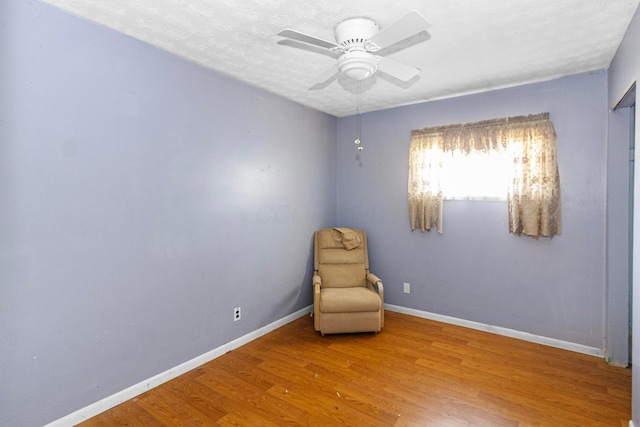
357,65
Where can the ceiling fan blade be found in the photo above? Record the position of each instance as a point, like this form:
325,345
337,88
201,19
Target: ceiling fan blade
311,48
409,25
397,69
301,37
324,77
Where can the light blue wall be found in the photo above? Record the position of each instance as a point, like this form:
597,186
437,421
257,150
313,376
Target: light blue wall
142,197
476,270
623,72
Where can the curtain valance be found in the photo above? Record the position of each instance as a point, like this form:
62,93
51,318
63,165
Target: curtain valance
488,135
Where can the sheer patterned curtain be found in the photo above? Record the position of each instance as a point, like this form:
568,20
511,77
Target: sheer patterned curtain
534,185
426,155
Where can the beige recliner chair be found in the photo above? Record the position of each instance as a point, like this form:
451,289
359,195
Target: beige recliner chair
347,297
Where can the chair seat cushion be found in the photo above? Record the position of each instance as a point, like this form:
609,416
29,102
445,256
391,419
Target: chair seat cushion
349,300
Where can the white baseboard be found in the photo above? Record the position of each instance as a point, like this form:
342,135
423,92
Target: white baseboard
616,364
137,389
579,348
630,423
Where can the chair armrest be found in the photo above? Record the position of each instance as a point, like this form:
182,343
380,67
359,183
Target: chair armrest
317,279
375,283
316,302
316,295
373,278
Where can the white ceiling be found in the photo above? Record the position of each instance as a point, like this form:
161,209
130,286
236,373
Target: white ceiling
475,45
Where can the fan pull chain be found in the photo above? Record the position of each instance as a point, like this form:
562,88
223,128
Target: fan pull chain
358,122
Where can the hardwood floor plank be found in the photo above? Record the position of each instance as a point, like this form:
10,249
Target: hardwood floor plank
416,372
519,390
129,414
202,398
166,408
334,408
245,418
309,379
243,396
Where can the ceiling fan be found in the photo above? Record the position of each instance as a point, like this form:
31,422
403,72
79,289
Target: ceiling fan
358,40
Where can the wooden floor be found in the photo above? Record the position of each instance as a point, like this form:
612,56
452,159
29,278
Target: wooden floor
416,372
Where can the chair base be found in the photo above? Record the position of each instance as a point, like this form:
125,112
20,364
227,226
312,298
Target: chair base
339,323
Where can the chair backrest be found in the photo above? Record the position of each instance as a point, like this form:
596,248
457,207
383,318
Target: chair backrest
338,266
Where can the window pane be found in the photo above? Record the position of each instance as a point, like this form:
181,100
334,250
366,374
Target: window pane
478,175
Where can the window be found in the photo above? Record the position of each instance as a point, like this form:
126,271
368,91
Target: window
477,176
512,158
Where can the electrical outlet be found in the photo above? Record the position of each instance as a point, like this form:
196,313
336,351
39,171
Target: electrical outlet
236,314
407,288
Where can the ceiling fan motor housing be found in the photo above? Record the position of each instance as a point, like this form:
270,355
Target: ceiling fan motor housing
353,36
354,33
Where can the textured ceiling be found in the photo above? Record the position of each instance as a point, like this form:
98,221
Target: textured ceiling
475,45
